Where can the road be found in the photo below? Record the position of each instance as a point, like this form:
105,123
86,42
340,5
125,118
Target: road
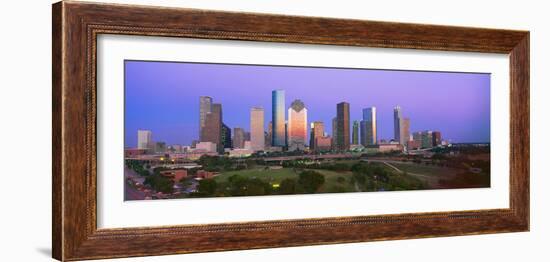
310,157
128,173
130,192
432,180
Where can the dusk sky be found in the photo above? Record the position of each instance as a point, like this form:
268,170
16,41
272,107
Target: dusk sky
164,97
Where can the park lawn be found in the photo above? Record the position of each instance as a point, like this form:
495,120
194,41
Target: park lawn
268,175
429,170
332,185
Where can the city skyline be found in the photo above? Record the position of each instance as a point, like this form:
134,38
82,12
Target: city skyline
180,120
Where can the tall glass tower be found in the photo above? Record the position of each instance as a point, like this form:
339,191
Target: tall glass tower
278,117
368,127
355,133
397,125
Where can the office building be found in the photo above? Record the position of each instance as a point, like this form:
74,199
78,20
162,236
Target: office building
311,136
257,137
269,134
145,139
342,125
317,130
334,143
369,127
286,133
176,148
355,133
297,125
397,126
226,136
417,137
405,135
414,144
267,140
278,118
323,143
207,147
436,138
212,130
427,139
238,137
160,147
205,107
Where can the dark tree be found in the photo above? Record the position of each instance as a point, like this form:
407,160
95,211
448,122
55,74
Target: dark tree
311,181
160,183
242,186
207,187
287,186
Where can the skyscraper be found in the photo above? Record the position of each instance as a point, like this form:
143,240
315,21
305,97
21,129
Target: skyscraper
238,137
342,125
334,142
286,133
318,132
311,136
205,107
160,147
417,137
212,130
319,129
145,139
355,133
397,124
436,138
267,140
257,138
405,134
427,139
278,117
369,127
226,136
297,125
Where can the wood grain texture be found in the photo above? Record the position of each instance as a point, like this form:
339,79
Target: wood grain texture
76,26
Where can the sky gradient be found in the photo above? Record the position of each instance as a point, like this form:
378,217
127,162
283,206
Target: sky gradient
164,97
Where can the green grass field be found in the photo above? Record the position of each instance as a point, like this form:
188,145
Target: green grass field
340,181
269,175
428,170
275,176
331,182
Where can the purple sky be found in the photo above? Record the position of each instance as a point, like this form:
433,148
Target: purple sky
164,97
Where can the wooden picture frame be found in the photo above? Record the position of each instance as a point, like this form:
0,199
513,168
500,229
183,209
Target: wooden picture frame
76,26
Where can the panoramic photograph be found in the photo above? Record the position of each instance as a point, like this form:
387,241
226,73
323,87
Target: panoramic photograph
197,130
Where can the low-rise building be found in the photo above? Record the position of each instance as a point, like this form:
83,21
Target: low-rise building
176,175
240,152
133,152
389,147
323,143
176,148
206,146
274,149
160,147
205,174
414,144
